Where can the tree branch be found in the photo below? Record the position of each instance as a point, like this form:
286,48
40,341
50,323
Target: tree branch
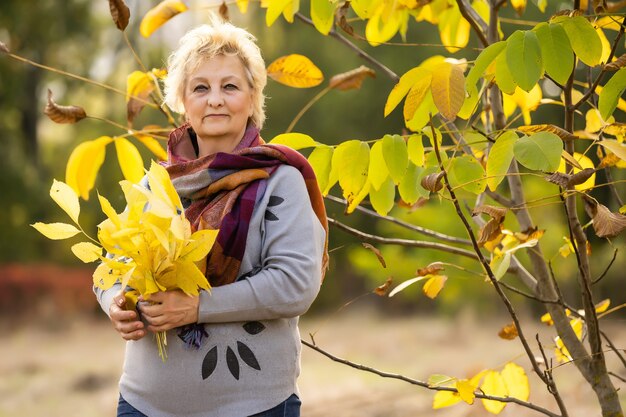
603,274
373,61
474,19
402,242
425,384
409,226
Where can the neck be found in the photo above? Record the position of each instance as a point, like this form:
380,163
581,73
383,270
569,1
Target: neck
215,144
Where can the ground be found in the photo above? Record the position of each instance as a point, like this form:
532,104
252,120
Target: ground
71,369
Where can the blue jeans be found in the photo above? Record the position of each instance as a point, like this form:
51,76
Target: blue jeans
288,408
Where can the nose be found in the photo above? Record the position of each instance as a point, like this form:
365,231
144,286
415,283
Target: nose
215,98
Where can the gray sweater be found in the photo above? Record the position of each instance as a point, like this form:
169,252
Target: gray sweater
251,359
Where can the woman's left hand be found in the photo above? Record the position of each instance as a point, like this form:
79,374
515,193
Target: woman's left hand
169,309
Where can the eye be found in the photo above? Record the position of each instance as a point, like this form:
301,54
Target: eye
231,87
199,88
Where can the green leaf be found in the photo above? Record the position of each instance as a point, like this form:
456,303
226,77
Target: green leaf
351,160
320,159
396,156
539,152
323,15
556,52
294,140
484,59
583,38
378,172
523,56
504,79
500,157
383,199
471,102
415,148
409,187
611,92
87,251
56,231
466,173
66,198
500,264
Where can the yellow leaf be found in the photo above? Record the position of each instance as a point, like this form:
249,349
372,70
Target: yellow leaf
87,252
153,145
403,86
445,399
619,149
242,5
108,210
129,159
516,381
104,277
466,390
416,96
189,278
353,202
84,163
519,6
603,305
526,101
199,245
294,140
274,9
159,15
493,385
295,71
56,231
433,286
66,198
384,23
606,46
291,9
138,84
448,88
454,30
162,187
560,352
584,163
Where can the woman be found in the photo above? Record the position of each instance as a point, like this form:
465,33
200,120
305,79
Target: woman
235,351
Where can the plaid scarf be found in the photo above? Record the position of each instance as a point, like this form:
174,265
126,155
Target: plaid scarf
219,191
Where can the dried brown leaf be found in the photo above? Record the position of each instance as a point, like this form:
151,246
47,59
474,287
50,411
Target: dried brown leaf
351,80
345,26
431,269
4,48
581,177
508,332
412,207
609,161
496,213
63,114
383,289
562,133
379,255
490,231
120,13
617,64
599,6
615,129
559,178
432,182
605,222
224,12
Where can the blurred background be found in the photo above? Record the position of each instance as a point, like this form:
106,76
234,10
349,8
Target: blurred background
58,354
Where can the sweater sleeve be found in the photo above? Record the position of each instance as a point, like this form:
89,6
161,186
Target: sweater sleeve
291,260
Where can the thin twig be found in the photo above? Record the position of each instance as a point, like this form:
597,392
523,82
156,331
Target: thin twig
529,296
548,373
425,384
402,242
613,348
603,274
373,61
617,376
409,226
307,107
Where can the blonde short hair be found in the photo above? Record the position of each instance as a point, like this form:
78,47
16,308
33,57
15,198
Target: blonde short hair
205,42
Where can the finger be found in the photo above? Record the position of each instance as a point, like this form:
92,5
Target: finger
136,335
125,327
151,310
123,315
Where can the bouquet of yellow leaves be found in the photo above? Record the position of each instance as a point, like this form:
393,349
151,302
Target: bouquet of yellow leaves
150,246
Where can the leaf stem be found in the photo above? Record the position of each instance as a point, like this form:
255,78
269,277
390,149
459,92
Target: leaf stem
307,107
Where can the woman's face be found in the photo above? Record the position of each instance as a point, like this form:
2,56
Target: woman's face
218,103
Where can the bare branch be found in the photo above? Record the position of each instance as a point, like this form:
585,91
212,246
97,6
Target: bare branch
373,61
402,242
474,19
425,384
613,348
548,374
409,226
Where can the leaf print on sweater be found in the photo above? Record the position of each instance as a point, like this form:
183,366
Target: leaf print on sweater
274,201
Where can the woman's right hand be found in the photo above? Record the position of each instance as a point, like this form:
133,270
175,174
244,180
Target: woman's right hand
126,322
